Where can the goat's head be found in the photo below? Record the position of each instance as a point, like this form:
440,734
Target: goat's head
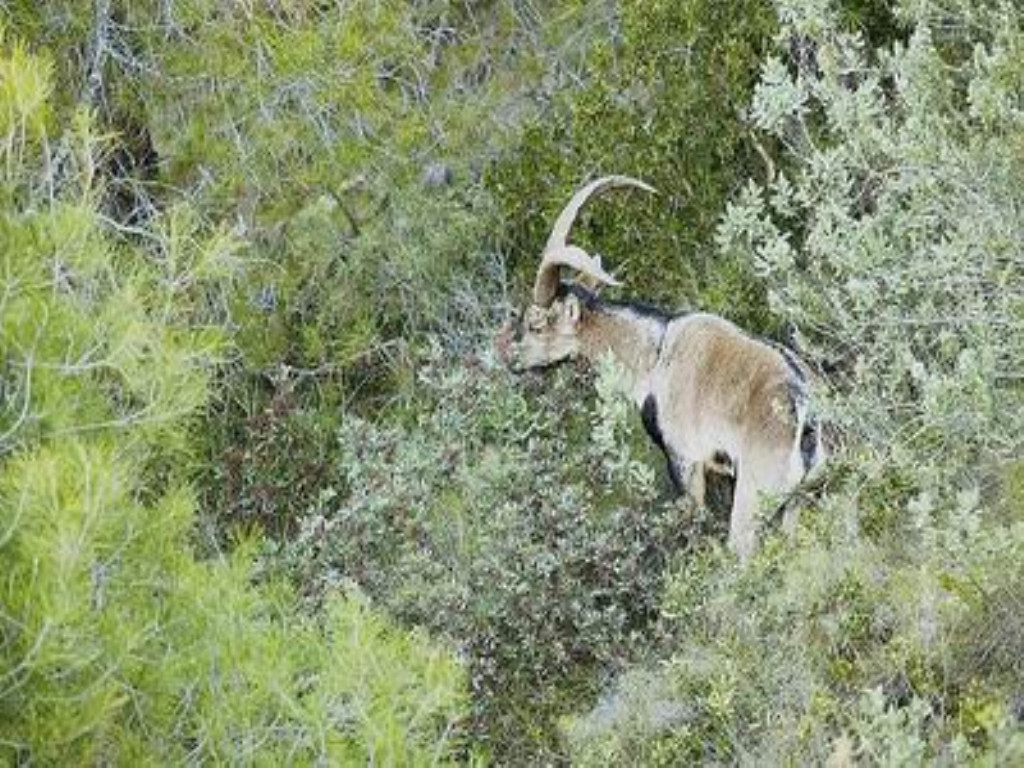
547,331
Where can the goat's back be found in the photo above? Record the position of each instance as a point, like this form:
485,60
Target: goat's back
719,388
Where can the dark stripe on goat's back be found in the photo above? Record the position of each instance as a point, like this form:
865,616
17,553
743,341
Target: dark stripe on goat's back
640,309
794,364
596,303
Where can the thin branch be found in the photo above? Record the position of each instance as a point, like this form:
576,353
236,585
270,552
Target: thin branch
100,48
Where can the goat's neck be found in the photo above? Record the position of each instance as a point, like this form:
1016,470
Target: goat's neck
632,337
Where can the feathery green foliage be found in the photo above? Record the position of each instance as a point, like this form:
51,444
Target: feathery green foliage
118,645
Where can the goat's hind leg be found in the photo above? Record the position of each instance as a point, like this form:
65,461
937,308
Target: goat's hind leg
696,486
743,519
757,474
696,473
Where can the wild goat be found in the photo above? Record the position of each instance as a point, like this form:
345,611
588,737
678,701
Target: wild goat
711,397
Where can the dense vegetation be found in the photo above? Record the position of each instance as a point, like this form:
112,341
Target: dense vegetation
265,495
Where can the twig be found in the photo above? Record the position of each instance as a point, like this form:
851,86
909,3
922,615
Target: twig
94,93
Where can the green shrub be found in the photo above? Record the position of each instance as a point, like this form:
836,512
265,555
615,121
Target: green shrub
496,517
662,101
773,663
118,645
886,633
346,143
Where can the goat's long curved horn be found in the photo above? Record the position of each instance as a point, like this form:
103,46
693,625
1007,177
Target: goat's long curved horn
564,222
558,252
574,257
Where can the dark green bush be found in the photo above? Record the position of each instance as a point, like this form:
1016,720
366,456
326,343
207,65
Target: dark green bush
664,102
495,518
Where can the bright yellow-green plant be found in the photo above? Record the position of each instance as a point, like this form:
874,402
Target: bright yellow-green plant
116,644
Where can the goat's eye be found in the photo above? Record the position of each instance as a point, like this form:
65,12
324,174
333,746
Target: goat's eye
536,318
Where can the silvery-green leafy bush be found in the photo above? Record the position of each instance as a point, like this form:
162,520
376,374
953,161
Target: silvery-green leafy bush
888,631
499,518
893,239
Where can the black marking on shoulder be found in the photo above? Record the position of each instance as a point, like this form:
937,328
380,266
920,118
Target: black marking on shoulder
649,414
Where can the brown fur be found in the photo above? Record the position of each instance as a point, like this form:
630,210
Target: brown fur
720,390
633,342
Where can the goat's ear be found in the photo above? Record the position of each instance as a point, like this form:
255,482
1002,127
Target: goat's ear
588,280
572,309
